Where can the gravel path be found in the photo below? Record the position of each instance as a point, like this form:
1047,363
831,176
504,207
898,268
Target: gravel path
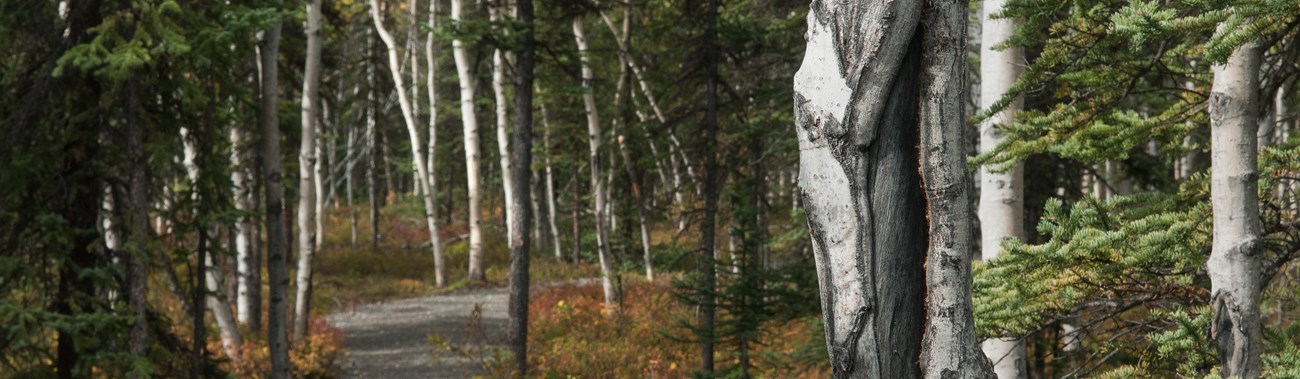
391,340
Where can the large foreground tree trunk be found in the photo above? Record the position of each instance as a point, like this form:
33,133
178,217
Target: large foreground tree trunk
1001,204
949,348
1234,198
857,98
306,171
277,249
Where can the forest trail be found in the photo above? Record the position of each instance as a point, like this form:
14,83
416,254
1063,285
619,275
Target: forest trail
391,339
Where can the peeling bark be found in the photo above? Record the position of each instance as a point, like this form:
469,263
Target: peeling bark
857,98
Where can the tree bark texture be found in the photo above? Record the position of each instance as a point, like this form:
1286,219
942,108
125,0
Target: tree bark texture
1234,267
431,81
470,123
521,170
872,87
1001,203
276,237
594,142
306,171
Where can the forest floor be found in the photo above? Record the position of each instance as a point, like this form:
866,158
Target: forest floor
450,335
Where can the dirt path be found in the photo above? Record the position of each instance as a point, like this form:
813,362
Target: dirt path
391,340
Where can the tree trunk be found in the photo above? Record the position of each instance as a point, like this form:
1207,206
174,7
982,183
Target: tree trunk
1001,203
550,183
708,254
594,142
949,348
470,122
857,122
413,129
372,143
521,170
306,174
1234,260
230,339
243,193
495,12
318,167
277,240
431,80
137,226
350,157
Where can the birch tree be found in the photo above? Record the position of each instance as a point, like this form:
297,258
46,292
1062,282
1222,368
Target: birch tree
413,130
307,171
1001,204
495,14
889,303
470,124
1234,266
550,182
593,158
431,80
246,280
210,273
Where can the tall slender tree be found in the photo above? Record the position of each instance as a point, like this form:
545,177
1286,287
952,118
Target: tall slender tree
464,72
1234,265
413,130
277,249
1002,197
521,169
706,258
306,171
593,161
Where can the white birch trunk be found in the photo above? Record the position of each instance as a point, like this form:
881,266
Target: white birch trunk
1001,203
215,299
230,339
594,142
503,122
856,114
949,348
413,130
306,182
431,81
470,122
1234,265
246,262
550,182
318,177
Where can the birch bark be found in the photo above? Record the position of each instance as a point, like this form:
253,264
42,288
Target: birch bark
470,123
413,130
306,172
594,142
1001,203
1234,259
859,98
431,81
495,14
